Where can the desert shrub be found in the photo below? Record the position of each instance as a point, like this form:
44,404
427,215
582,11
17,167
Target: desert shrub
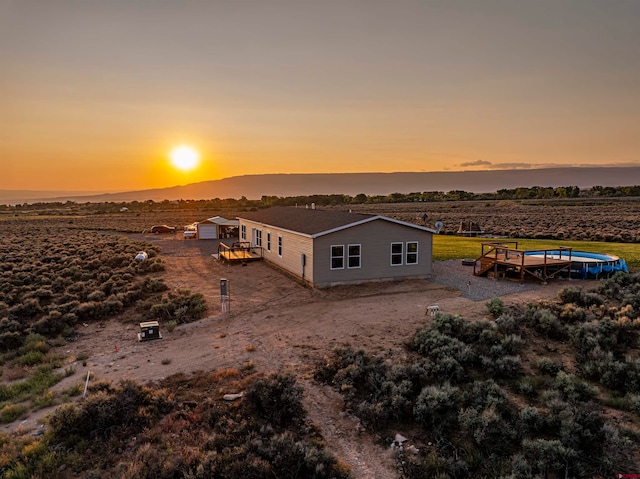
571,295
508,323
388,394
544,321
130,407
488,428
435,407
96,296
484,393
11,412
495,307
377,391
618,285
530,421
171,325
154,285
182,306
277,398
433,343
633,403
547,456
10,340
502,367
44,400
31,358
35,342
43,294
448,324
571,313
38,383
26,311
573,388
547,366
50,325
90,311
276,455
511,344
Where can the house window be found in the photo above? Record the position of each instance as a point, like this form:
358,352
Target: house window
337,256
412,252
268,241
259,238
279,245
243,232
354,256
396,254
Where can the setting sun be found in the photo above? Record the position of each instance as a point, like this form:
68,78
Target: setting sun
184,157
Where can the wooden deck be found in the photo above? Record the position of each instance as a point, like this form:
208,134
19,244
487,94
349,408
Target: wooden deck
505,260
239,252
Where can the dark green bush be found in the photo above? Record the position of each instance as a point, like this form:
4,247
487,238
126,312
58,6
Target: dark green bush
277,398
128,408
495,306
548,366
544,320
181,305
436,407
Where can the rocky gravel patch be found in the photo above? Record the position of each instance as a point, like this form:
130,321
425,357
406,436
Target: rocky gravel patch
453,273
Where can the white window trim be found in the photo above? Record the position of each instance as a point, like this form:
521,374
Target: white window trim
269,241
259,238
331,256
243,232
280,246
359,256
407,253
392,254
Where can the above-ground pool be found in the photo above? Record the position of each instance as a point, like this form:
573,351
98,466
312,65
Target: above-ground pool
585,264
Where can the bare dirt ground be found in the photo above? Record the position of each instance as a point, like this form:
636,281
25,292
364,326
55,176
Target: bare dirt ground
275,324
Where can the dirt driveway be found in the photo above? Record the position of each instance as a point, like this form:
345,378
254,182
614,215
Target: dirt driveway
275,323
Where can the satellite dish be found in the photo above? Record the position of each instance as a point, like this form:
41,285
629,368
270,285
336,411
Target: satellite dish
439,225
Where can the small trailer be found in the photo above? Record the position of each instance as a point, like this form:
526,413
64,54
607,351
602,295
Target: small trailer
149,330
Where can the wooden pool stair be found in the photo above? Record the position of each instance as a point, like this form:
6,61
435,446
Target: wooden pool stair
505,260
239,252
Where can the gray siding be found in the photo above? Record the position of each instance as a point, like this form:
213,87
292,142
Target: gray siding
375,239
293,246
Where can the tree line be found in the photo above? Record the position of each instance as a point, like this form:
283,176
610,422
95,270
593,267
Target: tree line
520,193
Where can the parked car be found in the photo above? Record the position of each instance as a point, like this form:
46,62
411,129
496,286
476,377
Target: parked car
162,229
190,232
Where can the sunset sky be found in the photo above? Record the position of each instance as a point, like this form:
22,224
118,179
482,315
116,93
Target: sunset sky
94,94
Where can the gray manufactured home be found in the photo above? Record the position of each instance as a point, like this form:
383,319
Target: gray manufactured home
327,248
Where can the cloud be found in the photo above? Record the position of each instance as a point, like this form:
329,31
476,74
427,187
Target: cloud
518,166
476,163
536,166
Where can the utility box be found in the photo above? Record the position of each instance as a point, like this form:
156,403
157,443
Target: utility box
149,330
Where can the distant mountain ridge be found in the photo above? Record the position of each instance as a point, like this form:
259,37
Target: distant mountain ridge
256,186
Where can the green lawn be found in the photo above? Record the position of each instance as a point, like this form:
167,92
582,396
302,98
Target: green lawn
458,247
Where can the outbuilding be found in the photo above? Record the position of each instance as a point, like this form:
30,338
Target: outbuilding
217,227
326,248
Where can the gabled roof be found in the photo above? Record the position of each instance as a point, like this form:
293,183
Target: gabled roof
219,220
316,222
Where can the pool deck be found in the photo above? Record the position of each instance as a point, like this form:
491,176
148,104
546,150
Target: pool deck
501,261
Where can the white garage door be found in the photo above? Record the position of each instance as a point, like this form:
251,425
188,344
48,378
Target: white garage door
207,232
